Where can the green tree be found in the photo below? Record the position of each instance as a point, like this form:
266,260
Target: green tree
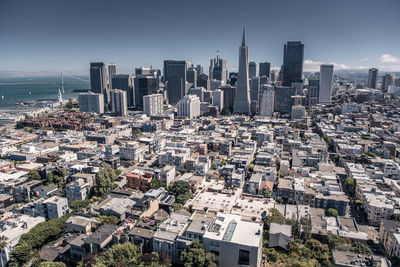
274,217
181,190
335,241
360,248
332,213
49,178
214,166
52,264
79,205
267,194
314,249
34,175
195,256
223,162
349,182
125,254
272,255
104,219
63,172
39,235
3,242
251,167
136,133
69,105
19,125
156,183
104,181
22,253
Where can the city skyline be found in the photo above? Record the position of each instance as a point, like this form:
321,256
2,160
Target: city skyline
337,34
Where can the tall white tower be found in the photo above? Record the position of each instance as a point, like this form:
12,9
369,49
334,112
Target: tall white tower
60,100
242,97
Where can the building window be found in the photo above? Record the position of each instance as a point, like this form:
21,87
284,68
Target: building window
244,257
214,243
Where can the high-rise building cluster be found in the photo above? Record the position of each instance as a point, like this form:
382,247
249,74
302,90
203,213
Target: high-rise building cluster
255,89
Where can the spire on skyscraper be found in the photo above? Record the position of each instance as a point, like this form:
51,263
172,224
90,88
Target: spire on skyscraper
244,37
242,96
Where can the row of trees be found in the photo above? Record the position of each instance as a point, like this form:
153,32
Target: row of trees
127,254
57,176
32,241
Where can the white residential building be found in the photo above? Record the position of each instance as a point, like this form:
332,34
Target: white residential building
153,104
189,107
378,207
266,97
119,102
133,151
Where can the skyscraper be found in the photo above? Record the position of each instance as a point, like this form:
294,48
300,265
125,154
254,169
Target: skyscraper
242,97
199,70
125,82
119,102
175,78
387,80
252,69
372,76
283,99
203,81
264,69
144,85
325,83
112,70
229,96
292,68
98,79
191,76
217,69
313,90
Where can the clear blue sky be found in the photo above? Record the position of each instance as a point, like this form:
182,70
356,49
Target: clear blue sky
55,35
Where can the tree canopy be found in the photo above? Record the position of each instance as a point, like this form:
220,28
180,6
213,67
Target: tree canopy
119,254
334,241
156,183
104,181
36,238
195,256
103,219
181,190
79,205
360,248
34,175
52,264
332,213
